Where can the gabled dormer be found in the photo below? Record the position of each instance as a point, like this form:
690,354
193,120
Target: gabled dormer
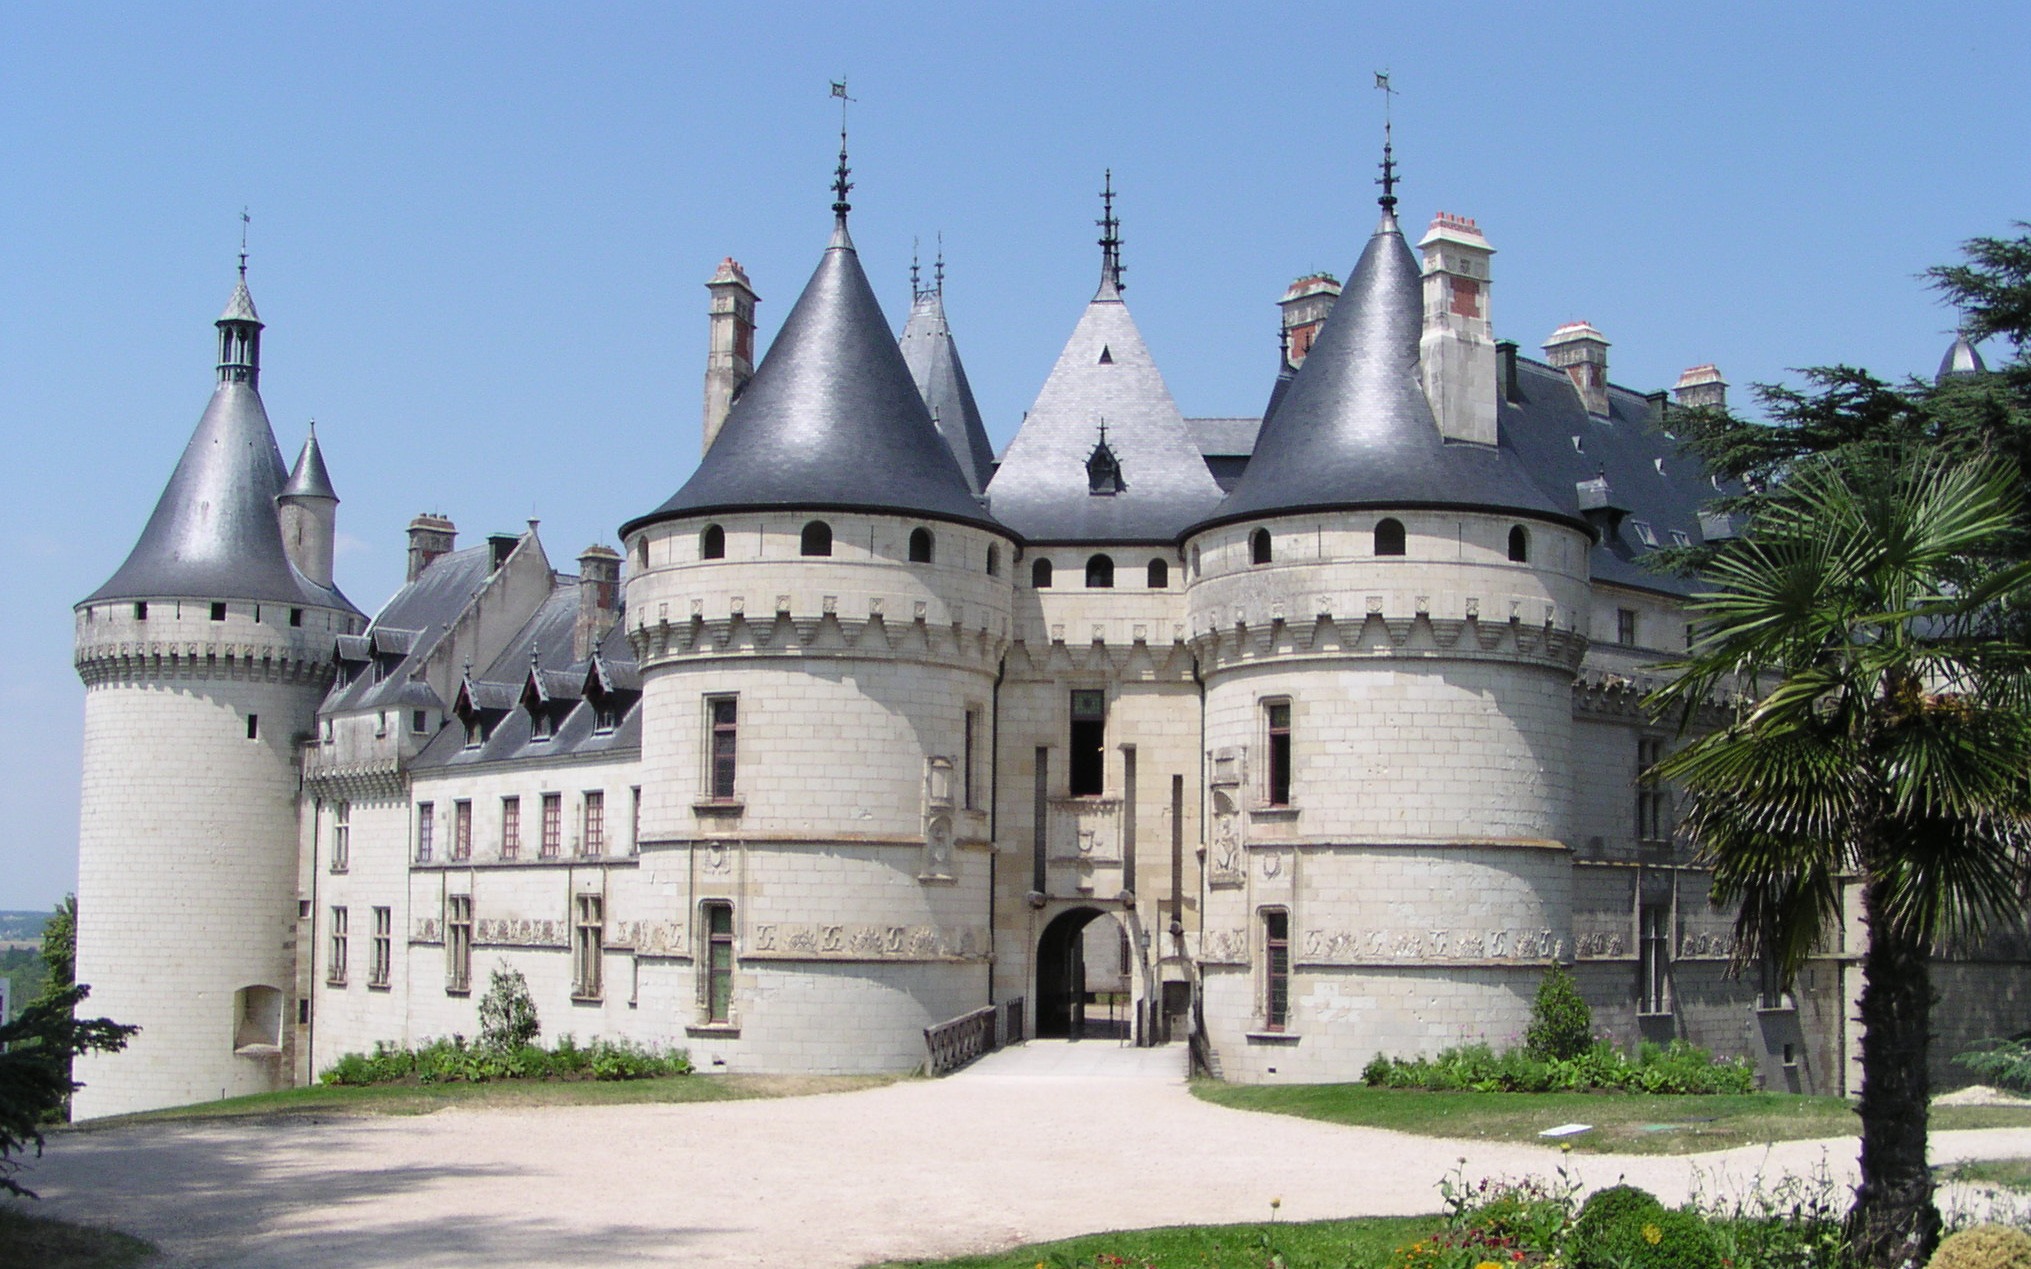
480,707
549,696
612,690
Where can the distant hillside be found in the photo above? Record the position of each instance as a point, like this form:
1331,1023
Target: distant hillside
22,927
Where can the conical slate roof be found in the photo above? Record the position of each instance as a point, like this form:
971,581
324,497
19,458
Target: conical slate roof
214,534
933,360
1105,374
831,419
309,479
1353,429
1961,359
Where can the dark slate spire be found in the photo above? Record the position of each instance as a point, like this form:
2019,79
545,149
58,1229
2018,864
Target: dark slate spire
1111,267
933,359
1961,359
1353,428
309,479
831,419
214,533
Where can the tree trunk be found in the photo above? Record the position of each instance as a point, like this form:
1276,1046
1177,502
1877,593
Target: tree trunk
1894,1224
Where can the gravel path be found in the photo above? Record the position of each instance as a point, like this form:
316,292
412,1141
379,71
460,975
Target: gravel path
1040,1142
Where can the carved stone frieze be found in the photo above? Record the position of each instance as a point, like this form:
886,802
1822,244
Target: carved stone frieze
1385,946
649,938
805,941
515,932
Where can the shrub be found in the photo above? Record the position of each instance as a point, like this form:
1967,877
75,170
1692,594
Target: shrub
1653,1240
1674,1068
2004,1063
454,1061
1984,1247
1605,1208
1561,1027
507,1012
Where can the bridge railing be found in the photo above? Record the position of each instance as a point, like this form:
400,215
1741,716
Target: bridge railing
952,1044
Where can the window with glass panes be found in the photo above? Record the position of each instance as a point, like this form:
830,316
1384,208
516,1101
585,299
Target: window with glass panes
511,827
458,942
725,714
1276,961
553,824
719,962
593,840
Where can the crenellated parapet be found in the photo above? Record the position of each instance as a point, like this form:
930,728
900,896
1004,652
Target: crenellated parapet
179,640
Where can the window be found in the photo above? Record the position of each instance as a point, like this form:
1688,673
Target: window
1654,959
141,610
384,948
218,612
553,824
593,841
253,727
419,721
606,715
461,830
587,935
712,543
1276,967
641,553
1644,533
966,759
458,942
341,836
1771,989
1040,575
635,821
381,718
816,539
1089,743
1277,715
296,616
426,825
335,971
511,827
1100,572
1259,549
1519,544
1625,627
994,561
1650,816
724,711
718,963
1389,537
475,732
920,546
1691,636
1159,574
541,725
1195,561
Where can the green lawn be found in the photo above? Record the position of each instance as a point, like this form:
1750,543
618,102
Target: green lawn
1623,1123
422,1099
30,1239
1355,1244
2011,1174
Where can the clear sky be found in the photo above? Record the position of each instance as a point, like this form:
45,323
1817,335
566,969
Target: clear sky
480,232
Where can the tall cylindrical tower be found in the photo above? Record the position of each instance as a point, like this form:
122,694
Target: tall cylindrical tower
203,658
819,615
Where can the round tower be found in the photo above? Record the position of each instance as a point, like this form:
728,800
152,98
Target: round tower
819,615
203,658
1387,622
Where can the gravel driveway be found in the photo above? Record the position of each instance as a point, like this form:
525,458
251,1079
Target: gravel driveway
1040,1142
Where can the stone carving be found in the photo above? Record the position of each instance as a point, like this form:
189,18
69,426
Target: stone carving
427,931
1272,865
800,941
938,848
518,932
1223,947
718,859
647,938
1603,943
1355,947
1706,943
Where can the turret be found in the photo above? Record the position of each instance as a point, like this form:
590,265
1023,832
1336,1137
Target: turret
308,508
933,359
203,658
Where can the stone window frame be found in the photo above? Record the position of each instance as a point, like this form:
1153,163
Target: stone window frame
1274,1005
552,844
1158,574
1391,538
1519,544
1081,715
341,836
588,946
426,831
381,963
712,542
722,769
511,826
461,829
969,757
1261,548
458,927
592,823
1040,573
1652,799
923,546
337,939
717,963
1100,571
1653,960
815,539
1625,627
1276,749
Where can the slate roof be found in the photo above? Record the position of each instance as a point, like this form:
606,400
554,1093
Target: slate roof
309,479
405,632
831,419
933,359
214,532
1105,373
1961,359
1354,428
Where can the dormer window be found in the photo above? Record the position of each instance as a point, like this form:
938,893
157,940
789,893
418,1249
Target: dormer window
541,727
1103,469
475,732
1644,533
606,716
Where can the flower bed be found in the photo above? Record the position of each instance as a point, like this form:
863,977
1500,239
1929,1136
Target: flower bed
454,1060
1673,1068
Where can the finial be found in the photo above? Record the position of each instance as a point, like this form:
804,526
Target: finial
1111,267
916,290
1388,178
313,429
1103,429
245,220
840,185
1283,345
938,266
468,665
535,654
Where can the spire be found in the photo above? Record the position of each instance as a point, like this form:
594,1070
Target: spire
831,419
938,266
214,533
309,478
1111,267
933,358
1388,179
240,329
916,282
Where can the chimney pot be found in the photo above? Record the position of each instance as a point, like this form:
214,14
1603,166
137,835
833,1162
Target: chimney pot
430,535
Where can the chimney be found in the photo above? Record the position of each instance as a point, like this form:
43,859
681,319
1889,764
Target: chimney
1505,355
499,547
1456,356
1305,305
1701,387
599,597
730,354
1582,352
429,537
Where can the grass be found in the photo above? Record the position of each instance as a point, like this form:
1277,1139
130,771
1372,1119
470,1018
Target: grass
424,1099
1623,1123
2011,1174
1329,1244
28,1239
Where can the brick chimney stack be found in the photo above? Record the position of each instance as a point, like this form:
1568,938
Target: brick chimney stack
1582,352
1305,306
430,536
730,355
1701,386
599,598
1456,355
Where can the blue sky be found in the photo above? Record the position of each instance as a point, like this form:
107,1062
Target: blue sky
480,234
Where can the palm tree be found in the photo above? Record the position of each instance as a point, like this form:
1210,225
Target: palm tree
1881,736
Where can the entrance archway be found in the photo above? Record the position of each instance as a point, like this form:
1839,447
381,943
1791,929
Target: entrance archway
1081,989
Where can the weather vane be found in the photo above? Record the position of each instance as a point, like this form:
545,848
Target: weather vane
840,185
245,220
1388,178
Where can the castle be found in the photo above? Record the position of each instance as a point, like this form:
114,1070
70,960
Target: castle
1314,736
